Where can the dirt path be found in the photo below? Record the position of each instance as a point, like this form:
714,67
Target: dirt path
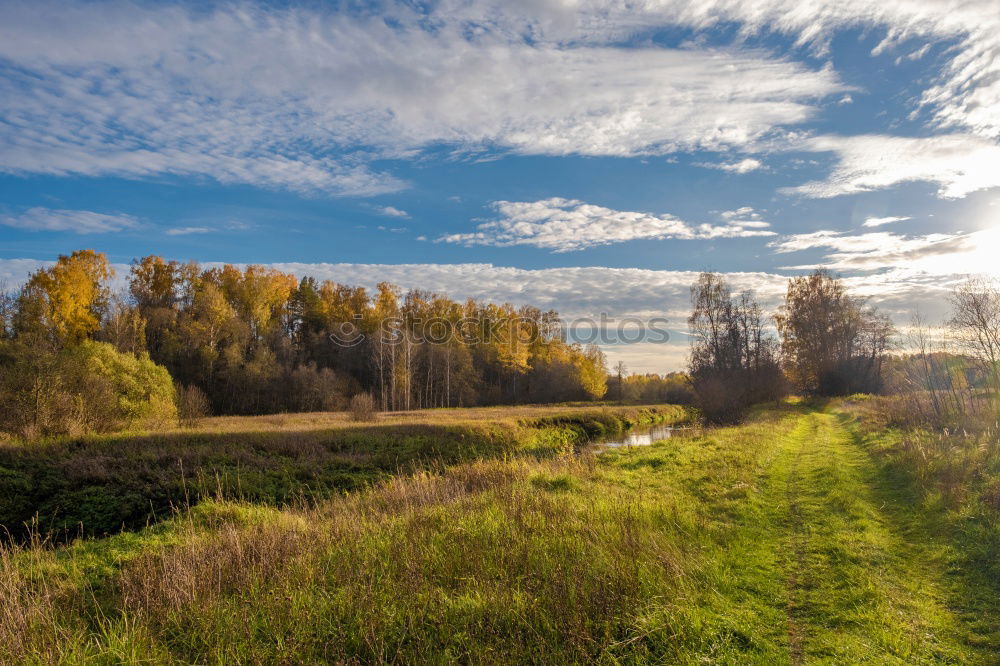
806,551
856,589
797,597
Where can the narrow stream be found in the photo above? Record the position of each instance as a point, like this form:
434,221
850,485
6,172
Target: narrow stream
636,437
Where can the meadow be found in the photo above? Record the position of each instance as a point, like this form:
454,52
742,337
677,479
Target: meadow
101,484
810,533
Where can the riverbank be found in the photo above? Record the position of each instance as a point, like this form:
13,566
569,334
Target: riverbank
102,485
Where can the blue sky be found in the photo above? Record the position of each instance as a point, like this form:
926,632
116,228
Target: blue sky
588,156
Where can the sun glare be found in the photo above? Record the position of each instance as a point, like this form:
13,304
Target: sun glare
980,253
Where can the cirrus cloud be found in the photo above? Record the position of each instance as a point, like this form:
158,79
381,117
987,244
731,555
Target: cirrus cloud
188,231
882,221
296,99
942,254
965,92
77,221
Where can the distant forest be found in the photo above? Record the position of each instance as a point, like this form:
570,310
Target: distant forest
183,342
256,340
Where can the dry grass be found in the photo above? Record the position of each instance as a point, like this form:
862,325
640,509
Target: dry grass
549,575
953,458
965,410
308,421
28,608
664,554
102,484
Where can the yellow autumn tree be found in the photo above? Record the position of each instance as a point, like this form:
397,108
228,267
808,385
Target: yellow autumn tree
592,366
66,302
206,318
258,294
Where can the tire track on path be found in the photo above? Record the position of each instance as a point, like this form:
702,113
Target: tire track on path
797,594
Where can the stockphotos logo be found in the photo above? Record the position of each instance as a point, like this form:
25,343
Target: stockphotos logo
604,330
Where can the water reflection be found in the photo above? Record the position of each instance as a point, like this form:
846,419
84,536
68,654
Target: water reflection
638,437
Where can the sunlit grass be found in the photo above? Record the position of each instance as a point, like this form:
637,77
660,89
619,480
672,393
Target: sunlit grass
769,543
102,484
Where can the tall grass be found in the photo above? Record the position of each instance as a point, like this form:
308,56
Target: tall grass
518,560
954,462
953,471
954,410
101,485
673,553
480,563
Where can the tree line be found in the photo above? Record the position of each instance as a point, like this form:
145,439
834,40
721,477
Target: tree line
256,340
187,340
823,341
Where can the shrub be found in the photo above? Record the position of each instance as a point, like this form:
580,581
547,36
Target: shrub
139,393
90,387
40,405
720,399
192,404
363,407
314,389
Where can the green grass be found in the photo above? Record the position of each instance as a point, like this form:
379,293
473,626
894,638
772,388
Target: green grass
941,490
791,539
104,484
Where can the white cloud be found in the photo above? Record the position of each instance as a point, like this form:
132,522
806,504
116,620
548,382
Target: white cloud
78,221
881,221
745,217
298,99
965,94
13,272
935,253
187,231
902,274
574,291
564,225
963,90
583,291
958,164
392,211
742,166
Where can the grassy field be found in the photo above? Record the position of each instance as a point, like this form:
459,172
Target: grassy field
102,484
806,535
